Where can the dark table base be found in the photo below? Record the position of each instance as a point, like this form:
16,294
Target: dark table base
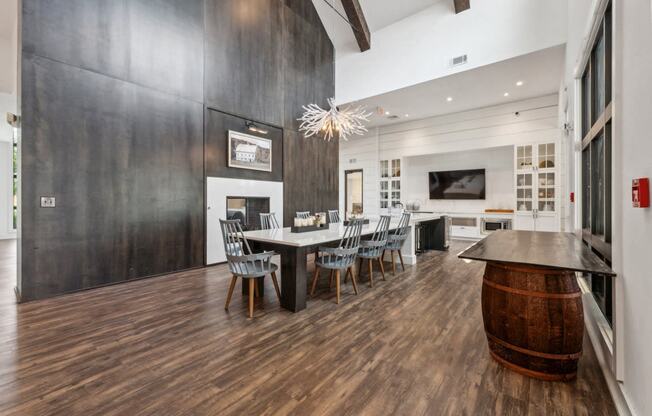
533,319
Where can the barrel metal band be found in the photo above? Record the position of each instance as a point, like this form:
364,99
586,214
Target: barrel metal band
531,293
573,356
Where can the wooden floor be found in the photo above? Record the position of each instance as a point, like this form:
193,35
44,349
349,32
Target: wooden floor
413,345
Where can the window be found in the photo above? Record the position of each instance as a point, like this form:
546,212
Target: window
596,158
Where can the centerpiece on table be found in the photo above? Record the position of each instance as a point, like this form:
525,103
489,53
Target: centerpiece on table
313,223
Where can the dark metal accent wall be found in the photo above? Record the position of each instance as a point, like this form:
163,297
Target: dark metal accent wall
114,102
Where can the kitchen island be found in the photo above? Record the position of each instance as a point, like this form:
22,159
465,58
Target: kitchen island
531,301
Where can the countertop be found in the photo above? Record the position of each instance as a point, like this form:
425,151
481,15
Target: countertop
536,248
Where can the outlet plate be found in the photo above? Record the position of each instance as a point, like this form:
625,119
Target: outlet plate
48,202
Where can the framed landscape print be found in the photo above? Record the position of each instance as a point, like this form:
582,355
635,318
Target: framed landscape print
249,152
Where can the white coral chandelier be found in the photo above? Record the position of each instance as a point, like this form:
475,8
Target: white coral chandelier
316,120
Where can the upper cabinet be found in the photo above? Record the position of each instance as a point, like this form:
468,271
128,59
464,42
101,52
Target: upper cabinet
390,183
537,187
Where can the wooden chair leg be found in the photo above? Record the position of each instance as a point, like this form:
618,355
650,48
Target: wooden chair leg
382,258
231,287
393,264
330,280
360,268
400,256
252,285
278,291
315,277
382,268
371,273
355,284
337,284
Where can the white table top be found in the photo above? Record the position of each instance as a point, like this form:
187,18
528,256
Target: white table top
334,232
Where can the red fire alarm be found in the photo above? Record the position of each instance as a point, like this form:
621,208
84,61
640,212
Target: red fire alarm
641,193
572,197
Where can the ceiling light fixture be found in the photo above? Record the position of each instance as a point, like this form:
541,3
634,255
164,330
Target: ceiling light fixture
343,123
449,99
506,94
519,83
407,115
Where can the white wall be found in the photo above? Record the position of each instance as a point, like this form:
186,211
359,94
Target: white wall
498,163
420,47
633,227
485,128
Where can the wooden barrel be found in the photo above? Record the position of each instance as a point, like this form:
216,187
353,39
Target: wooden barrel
534,319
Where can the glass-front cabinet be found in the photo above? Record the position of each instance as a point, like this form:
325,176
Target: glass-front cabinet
390,183
536,185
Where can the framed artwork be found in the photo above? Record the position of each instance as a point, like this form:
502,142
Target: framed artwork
249,152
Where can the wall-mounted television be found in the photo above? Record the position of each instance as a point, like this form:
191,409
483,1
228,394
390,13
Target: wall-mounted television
457,184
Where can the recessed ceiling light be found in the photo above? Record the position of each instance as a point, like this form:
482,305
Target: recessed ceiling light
386,113
519,83
449,99
506,94
407,115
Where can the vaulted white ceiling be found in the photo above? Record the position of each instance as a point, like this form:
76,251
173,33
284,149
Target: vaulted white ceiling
378,13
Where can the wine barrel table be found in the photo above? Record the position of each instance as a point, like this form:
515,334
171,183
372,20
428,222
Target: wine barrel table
531,301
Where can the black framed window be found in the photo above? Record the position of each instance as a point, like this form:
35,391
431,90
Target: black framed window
596,158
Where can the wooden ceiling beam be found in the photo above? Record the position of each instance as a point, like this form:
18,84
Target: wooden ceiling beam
461,5
356,18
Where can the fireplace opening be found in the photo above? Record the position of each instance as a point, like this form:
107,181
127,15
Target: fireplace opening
247,210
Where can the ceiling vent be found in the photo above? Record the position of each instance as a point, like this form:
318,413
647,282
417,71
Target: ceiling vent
393,117
459,60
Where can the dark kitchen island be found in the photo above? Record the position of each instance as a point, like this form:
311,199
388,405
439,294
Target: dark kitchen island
531,301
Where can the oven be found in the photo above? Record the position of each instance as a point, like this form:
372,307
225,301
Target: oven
489,225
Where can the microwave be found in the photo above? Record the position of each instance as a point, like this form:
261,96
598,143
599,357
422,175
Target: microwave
489,225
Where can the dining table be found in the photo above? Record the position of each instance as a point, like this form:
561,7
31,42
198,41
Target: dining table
294,249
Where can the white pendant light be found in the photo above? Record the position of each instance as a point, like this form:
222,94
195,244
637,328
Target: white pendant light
332,122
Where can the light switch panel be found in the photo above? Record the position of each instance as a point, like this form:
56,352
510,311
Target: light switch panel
48,202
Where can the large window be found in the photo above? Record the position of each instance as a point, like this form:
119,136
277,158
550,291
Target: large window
596,158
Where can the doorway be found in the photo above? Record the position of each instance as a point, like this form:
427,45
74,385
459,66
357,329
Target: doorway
353,191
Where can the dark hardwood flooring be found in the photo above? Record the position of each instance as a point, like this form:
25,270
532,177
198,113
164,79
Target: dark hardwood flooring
413,345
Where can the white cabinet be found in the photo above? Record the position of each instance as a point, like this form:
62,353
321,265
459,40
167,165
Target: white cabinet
390,183
536,181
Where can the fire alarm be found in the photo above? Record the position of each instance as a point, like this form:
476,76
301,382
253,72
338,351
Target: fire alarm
641,193
572,197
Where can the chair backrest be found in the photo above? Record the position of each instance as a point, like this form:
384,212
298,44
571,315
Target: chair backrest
235,243
268,221
333,216
403,228
382,229
351,237
303,214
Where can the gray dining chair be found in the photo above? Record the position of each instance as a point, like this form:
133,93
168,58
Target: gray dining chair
396,239
303,214
269,221
244,263
374,248
337,259
333,216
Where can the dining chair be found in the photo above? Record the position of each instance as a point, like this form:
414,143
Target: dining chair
303,214
333,216
337,259
374,248
269,221
244,263
396,240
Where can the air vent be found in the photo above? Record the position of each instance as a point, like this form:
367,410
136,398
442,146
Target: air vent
459,60
393,117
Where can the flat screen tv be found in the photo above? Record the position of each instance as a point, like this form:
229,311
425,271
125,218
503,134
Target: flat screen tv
458,184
